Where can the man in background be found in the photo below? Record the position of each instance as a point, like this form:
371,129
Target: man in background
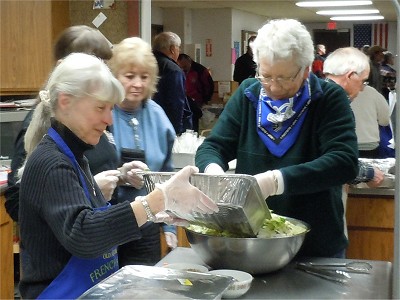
349,68
318,63
171,94
199,86
376,57
245,67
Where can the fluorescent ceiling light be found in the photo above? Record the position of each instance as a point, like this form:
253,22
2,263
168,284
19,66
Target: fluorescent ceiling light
356,18
347,12
331,3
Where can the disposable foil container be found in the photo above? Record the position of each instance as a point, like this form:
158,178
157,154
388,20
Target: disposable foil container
146,282
242,209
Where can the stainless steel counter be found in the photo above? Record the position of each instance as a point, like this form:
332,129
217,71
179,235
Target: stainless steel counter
291,283
371,191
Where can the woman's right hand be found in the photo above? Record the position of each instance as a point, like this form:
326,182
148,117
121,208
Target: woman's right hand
129,173
107,182
182,198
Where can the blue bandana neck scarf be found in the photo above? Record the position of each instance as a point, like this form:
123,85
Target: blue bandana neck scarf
279,121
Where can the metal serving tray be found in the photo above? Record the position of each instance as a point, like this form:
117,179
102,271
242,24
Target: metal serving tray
145,282
242,209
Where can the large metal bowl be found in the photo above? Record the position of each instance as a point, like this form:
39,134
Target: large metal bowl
252,255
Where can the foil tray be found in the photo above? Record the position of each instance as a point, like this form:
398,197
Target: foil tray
242,209
146,282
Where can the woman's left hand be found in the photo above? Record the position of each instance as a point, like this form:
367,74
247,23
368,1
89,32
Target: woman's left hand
129,173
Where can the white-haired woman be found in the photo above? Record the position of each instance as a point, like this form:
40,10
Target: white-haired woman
69,232
294,132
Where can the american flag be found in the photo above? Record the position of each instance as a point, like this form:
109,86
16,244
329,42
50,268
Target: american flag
371,34
380,34
362,35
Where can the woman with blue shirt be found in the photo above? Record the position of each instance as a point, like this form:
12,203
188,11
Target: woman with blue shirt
142,131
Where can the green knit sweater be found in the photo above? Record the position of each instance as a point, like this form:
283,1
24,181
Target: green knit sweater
322,159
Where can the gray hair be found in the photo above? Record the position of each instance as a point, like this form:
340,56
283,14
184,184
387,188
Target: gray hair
346,59
79,75
164,40
284,39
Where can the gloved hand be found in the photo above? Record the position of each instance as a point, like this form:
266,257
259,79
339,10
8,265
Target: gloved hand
268,183
128,173
214,169
182,198
163,217
171,239
107,181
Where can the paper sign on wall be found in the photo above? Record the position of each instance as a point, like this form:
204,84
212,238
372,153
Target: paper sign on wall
99,20
208,48
224,87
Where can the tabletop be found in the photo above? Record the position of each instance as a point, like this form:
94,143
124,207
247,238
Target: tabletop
292,283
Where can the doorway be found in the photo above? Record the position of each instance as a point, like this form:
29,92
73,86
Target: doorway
155,29
332,39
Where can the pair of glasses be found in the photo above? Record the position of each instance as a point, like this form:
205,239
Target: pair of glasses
282,81
364,81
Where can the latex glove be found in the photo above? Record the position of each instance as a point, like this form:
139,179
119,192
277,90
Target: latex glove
171,239
129,173
182,198
163,217
214,169
267,182
379,176
107,182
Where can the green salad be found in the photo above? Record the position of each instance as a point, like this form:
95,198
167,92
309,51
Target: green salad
277,226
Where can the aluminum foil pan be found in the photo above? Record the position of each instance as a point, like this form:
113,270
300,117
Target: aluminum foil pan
145,282
242,209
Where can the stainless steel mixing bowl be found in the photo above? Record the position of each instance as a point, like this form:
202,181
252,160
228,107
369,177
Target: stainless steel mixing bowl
252,255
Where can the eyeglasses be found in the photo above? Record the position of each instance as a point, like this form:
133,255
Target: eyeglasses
282,81
364,81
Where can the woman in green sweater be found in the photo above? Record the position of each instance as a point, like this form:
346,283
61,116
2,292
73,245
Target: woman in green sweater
294,132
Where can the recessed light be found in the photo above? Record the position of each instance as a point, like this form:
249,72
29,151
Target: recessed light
331,3
356,18
348,12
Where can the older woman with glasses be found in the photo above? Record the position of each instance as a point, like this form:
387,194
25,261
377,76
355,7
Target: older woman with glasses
294,132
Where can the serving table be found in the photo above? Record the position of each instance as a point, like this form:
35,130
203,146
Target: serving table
292,283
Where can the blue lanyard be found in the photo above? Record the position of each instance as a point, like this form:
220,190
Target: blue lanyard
67,151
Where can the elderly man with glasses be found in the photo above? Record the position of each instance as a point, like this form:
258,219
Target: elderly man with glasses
294,132
350,68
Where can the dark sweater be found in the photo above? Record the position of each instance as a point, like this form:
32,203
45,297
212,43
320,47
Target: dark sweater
323,158
56,218
245,68
171,94
102,157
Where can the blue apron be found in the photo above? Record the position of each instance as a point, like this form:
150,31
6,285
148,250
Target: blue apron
79,274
